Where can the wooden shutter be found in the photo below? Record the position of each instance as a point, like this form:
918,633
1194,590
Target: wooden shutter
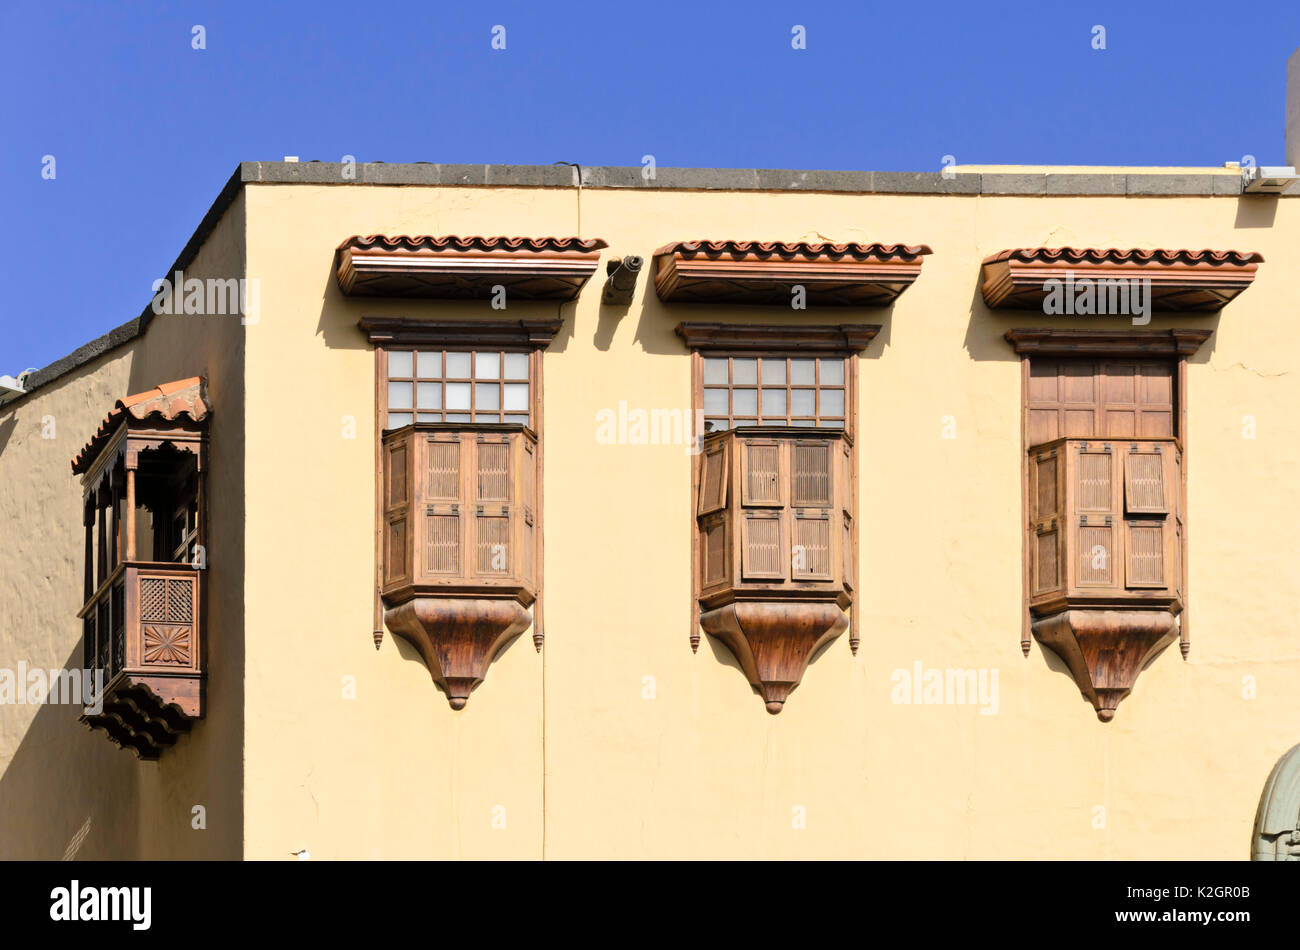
810,475
1046,517
1096,529
397,495
761,473
810,556
442,540
714,550
713,477
762,548
442,473
1151,542
493,535
528,477
1145,491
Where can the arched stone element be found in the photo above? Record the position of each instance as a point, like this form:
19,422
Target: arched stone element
1277,822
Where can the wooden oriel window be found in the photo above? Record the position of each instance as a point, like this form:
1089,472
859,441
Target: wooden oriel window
1105,500
458,508
779,390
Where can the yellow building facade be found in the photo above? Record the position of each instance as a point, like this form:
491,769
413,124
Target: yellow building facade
617,739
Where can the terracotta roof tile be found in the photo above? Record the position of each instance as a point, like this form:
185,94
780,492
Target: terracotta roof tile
795,249
1115,255
427,242
168,402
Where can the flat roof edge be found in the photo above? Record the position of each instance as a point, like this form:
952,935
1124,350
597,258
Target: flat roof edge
953,182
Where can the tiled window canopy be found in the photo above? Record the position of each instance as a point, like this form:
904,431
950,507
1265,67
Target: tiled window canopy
468,268
1181,280
753,272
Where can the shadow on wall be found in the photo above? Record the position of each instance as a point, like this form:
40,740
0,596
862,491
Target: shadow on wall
56,757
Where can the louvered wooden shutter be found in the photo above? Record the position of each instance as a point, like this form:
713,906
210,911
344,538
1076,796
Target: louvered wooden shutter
1096,528
715,549
528,478
713,476
763,544
761,473
811,497
1150,542
443,522
1046,520
492,542
397,495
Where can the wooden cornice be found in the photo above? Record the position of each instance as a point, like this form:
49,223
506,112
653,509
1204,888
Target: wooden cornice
528,333
740,337
1180,280
465,268
750,272
1050,341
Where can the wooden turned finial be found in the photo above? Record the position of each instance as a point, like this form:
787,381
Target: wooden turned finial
379,638
1186,647
854,643
1024,647
537,641
695,641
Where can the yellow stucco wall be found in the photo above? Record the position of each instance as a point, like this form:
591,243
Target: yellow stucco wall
582,763
63,789
316,740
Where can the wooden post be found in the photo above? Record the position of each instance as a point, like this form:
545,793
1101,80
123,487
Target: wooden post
130,514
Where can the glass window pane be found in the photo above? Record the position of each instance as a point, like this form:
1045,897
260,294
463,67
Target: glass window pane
806,423
487,365
774,402
773,422
832,372
715,401
398,419
399,363
773,372
428,417
832,402
487,396
458,365
399,395
516,397
428,396
744,372
487,417
802,372
429,364
744,402
714,425
715,371
521,420
458,417
516,366
458,397
802,402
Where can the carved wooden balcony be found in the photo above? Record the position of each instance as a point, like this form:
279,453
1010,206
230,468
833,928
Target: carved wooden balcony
143,636
776,551
144,471
460,544
1105,549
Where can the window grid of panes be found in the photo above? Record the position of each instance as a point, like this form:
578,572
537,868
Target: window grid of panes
457,386
773,391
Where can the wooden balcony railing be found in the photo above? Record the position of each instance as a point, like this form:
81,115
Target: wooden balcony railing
143,630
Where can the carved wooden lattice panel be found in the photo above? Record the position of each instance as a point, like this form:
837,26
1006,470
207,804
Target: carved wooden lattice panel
494,471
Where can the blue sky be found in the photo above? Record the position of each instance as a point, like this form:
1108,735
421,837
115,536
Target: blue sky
145,129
